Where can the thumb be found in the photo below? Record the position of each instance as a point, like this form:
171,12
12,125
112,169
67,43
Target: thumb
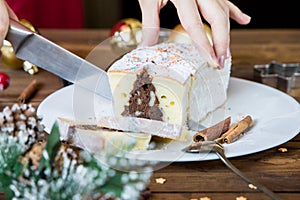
4,21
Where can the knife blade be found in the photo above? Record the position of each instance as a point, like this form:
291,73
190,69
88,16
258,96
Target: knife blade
51,57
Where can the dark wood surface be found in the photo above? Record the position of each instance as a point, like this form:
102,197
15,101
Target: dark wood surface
195,180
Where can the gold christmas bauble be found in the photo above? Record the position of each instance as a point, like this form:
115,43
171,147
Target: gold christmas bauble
28,25
179,34
8,57
126,35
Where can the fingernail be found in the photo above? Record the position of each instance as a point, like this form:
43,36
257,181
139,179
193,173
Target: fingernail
221,62
222,59
247,18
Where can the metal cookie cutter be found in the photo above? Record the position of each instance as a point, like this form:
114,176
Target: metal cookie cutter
285,77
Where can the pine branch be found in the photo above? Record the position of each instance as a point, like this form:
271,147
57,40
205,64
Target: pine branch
65,174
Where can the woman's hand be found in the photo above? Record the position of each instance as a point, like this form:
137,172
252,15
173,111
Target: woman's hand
5,13
215,12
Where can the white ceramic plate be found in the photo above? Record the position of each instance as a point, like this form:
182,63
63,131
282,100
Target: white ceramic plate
276,116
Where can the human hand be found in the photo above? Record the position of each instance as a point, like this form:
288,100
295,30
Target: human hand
5,13
215,12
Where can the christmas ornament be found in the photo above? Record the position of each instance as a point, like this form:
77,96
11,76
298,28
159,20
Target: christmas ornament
4,81
27,24
126,35
9,58
30,68
179,34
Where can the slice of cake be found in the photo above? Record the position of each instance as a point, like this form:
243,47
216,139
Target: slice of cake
98,139
141,125
167,82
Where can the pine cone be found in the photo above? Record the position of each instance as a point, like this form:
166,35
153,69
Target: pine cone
34,155
21,121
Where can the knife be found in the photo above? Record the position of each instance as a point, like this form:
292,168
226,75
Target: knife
49,56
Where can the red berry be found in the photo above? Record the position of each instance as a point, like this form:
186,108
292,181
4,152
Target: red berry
4,81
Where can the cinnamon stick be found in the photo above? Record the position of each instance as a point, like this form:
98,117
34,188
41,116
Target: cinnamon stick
213,132
235,130
28,91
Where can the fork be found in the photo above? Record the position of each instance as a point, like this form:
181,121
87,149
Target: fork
217,148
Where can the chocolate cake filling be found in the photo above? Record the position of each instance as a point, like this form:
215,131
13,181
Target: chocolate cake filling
143,102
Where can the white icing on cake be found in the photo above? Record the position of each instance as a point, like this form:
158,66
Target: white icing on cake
175,61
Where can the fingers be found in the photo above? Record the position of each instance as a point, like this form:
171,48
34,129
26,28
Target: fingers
150,20
217,15
237,14
191,21
4,21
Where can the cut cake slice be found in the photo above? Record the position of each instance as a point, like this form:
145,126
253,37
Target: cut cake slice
97,139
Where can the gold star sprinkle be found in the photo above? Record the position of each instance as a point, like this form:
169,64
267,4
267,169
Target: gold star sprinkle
282,150
160,180
240,198
253,187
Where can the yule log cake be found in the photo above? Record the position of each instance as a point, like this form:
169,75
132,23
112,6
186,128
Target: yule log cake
168,82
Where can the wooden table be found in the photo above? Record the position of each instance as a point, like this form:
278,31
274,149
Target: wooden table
196,180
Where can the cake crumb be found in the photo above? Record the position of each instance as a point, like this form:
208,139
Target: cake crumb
282,150
253,187
240,198
160,180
